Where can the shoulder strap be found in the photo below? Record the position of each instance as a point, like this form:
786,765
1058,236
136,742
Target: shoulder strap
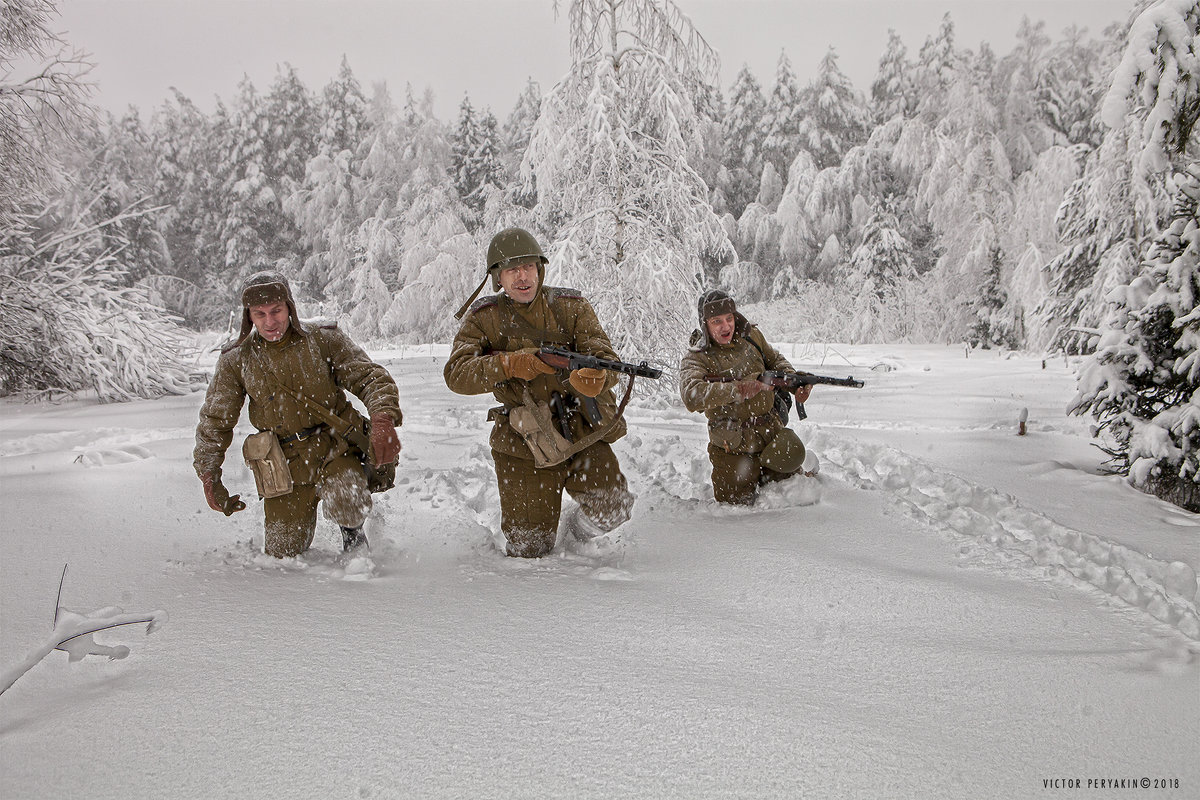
347,430
596,435
755,345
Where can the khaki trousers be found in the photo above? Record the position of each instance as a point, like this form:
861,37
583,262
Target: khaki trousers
291,519
531,498
737,476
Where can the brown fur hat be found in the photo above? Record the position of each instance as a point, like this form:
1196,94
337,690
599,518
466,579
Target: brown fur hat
263,288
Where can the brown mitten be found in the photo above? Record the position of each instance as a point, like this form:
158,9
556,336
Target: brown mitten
587,381
523,365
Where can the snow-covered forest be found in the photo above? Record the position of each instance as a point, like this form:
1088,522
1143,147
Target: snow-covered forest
1042,199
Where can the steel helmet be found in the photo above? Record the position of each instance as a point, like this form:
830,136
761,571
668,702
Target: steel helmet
505,246
784,454
513,243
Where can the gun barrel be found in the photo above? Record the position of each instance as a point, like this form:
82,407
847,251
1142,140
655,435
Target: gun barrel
560,358
794,380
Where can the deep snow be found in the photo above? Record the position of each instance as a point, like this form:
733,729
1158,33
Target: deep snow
961,613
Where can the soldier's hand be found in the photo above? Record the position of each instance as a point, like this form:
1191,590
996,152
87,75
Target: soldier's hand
749,387
587,381
385,444
523,365
802,393
218,496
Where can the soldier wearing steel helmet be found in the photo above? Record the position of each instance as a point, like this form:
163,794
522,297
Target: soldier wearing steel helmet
495,351
749,444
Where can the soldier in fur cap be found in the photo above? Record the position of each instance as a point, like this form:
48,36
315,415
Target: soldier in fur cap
293,374
749,444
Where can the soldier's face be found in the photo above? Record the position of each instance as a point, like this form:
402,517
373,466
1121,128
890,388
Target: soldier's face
721,328
520,281
270,320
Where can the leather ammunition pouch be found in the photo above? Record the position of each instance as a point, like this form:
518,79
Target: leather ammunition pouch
268,463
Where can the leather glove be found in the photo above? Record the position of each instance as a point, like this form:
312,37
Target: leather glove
749,387
587,381
523,365
218,496
385,444
802,393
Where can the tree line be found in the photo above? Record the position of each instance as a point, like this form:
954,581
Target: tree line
1002,200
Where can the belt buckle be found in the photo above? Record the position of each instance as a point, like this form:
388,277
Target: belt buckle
311,432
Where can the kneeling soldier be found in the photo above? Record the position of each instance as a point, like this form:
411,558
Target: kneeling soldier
496,351
311,439
749,444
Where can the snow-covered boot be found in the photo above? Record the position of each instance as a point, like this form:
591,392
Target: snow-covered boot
353,540
586,537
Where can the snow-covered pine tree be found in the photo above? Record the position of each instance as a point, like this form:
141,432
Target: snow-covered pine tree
464,142
489,163
876,270
343,113
116,173
1105,222
967,197
294,122
994,324
382,172
326,207
744,134
1069,87
1031,233
629,217
1022,128
784,118
251,203
938,66
892,92
1143,383
439,258
475,166
517,131
837,117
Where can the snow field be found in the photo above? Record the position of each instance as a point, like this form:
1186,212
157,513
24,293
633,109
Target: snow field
896,638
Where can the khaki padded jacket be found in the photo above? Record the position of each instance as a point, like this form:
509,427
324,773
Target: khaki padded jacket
727,413
322,363
496,324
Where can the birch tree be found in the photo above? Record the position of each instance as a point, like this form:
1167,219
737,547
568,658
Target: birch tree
43,94
629,218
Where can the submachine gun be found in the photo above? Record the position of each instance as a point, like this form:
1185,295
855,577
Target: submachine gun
561,405
785,385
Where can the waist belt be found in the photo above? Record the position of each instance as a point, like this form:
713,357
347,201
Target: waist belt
738,424
302,435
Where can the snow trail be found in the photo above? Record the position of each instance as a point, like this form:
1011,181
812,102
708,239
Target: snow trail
997,524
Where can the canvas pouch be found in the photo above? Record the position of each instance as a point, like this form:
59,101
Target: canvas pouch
265,457
534,423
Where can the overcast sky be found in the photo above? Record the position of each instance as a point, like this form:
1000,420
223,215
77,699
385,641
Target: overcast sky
489,48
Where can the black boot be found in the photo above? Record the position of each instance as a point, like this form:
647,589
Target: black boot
353,539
